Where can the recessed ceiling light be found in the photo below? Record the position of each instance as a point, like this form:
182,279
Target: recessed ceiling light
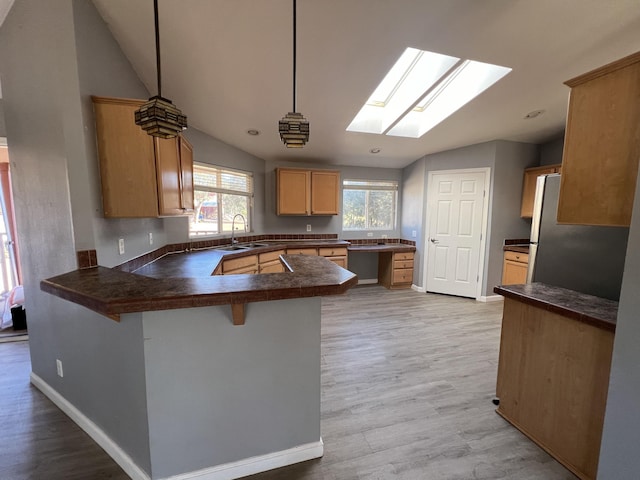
253,132
421,90
375,150
534,114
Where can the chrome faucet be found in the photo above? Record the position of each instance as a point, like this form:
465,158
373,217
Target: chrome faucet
233,227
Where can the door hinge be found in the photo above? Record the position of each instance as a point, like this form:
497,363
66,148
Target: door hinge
484,193
480,237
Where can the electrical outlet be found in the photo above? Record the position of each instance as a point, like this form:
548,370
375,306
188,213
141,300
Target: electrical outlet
414,234
369,234
308,228
59,368
150,238
121,246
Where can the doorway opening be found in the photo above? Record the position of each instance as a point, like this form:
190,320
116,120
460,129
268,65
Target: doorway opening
12,313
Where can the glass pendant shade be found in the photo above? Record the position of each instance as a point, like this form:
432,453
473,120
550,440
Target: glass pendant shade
294,130
160,118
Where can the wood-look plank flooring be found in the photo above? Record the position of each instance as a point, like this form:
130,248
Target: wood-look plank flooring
407,383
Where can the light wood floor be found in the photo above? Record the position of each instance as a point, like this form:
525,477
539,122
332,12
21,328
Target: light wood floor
407,383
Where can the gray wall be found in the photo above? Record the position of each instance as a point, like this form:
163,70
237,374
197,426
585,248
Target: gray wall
507,161
551,151
621,436
45,133
3,127
219,393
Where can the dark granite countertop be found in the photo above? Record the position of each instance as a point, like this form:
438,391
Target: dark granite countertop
516,248
387,247
596,311
112,292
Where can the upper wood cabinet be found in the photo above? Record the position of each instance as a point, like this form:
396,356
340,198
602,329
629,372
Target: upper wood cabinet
141,176
307,192
602,145
529,186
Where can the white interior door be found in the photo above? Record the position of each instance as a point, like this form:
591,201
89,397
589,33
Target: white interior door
456,205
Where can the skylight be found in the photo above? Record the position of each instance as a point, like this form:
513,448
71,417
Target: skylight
421,90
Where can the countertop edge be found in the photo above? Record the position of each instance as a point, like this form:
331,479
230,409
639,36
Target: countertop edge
600,312
309,276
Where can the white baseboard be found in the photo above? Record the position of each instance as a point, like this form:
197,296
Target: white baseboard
95,432
253,465
227,471
367,281
490,298
418,289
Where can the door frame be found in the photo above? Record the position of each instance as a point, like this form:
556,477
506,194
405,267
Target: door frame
484,227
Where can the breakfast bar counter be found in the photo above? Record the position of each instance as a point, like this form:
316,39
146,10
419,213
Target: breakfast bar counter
208,398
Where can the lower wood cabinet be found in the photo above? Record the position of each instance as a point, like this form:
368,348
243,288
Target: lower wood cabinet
553,379
238,265
302,251
514,269
269,262
395,269
337,255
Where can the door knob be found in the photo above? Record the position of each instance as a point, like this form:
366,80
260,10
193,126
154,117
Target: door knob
433,240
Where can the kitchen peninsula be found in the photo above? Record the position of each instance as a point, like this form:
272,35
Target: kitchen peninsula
553,372
210,398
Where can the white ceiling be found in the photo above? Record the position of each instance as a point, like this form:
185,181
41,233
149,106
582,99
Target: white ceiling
228,65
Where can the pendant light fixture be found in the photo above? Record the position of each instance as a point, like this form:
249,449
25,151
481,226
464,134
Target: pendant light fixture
294,128
159,117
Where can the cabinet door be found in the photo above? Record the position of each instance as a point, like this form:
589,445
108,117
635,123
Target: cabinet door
602,146
514,273
325,187
529,187
186,168
168,176
127,164
293,192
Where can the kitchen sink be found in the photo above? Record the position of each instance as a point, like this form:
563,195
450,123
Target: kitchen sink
232,248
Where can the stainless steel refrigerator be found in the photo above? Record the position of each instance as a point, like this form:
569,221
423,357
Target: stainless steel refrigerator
587,259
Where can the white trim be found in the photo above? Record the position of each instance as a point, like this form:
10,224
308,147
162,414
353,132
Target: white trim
3,142
418,289
95,432
490,298
367,281
485,221
226,471
253,465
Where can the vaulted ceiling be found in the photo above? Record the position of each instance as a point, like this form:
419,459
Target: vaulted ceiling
228,65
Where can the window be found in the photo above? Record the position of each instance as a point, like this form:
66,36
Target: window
369,205
219,194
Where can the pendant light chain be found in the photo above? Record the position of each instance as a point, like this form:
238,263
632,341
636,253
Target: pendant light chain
158,69
294,54
294,128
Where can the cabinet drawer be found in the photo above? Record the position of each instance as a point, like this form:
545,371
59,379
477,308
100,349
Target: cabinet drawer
272,267
302,251
237,263
403,275
333,252
340,261
237,271
516,257
403,263
403,256
270,256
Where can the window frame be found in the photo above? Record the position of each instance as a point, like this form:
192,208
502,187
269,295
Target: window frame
219,190
369,186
